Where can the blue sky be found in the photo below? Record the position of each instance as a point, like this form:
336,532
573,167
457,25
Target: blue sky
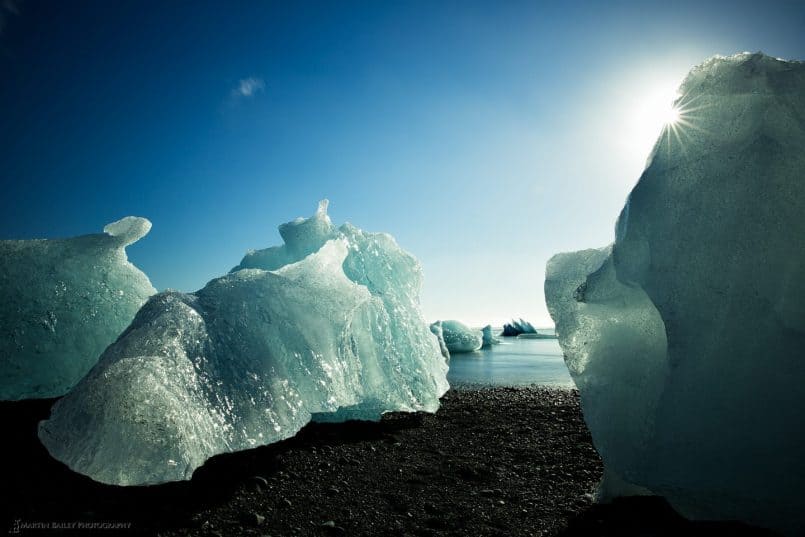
485,136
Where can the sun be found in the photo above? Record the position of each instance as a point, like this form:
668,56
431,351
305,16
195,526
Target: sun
656,110
670,115
657,114
682,121
645,115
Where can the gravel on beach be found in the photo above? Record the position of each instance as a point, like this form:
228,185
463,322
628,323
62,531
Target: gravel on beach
493,461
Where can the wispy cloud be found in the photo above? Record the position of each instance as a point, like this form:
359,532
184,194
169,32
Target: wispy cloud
7,9
248,87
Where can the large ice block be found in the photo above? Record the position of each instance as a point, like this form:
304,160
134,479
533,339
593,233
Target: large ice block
327,324
458,337
63,302
686,336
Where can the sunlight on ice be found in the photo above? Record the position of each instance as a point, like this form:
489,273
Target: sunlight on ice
670,115
329,329
685,336
648,116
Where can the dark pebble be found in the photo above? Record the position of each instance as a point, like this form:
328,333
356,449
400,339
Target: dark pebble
258,483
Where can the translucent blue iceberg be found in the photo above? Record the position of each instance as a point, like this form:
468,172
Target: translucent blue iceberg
438,331
328,323
686,336
63,302
488,338
458,337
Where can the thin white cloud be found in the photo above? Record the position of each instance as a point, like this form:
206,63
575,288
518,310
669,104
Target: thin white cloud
249,87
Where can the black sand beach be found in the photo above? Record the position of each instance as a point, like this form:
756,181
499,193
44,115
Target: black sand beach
497,461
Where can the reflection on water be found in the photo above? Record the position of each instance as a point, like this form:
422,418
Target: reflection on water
514,362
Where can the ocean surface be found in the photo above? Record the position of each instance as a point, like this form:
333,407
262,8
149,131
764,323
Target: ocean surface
514,362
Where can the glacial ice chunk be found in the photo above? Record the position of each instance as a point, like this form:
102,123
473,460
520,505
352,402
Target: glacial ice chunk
517,328
301,237
129,229
438,331
488,338
458,337
686,336
332,329
63,302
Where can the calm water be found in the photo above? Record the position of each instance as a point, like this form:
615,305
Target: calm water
514,362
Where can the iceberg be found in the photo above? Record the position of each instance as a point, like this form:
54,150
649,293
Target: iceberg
488,338
327,325
458,337
685,337
64,301
438,331
516,328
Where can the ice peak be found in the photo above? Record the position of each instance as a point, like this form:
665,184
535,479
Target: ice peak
129,229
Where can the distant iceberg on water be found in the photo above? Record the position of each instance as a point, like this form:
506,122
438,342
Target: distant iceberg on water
524,330
458,337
